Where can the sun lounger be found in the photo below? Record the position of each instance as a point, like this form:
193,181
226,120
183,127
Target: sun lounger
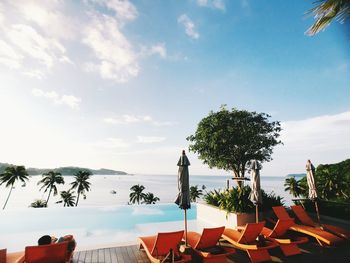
205,245
305,219
2,255
164,246
53,253
323,237
246,239
287,242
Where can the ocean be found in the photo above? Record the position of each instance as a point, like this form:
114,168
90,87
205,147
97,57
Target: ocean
102,186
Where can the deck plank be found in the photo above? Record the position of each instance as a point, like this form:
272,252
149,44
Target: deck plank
101,256
88,256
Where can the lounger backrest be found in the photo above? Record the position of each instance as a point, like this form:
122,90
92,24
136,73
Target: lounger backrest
251,232
302,215
281,212
165,242
2,255
210,237
53,253
281,227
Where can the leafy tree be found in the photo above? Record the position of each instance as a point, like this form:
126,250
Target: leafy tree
137,194
149,198
81,183
293,186
195,193
326,11
230,139
67,198
49,181
10,176
38,203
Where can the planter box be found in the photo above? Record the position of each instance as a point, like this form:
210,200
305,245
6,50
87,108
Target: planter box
217,217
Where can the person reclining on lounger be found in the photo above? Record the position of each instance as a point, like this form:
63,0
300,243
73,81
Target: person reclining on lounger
47,240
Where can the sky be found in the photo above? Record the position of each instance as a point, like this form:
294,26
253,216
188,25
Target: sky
121,84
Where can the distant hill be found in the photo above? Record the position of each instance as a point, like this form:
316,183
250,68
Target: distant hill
296,175
69,170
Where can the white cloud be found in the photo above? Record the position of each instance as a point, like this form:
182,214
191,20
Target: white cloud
116,59
130,119
150,139
215,4
323,139
158,49
68,100
189,26
9,57
111,143
123,9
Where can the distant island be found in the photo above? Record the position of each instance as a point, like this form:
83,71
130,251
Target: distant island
69,170
296,175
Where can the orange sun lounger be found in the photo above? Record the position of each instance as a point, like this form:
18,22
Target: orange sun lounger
287,243
53,253
163,246
305,219
205,245
323,237
246,239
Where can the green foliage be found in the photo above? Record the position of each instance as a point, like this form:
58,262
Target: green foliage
195,193
67,198
294,186
38,204
137,195
11,175
269,200
49,181
81,183
230,139
149,199
237,200
335,209
326,11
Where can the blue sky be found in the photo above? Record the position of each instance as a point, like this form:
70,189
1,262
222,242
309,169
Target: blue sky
121,84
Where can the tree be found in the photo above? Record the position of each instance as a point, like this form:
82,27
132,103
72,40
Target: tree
149,199
293,186
67,198
230,139
81,183
137,194
326,11
38,203
195,193
49,181
10,176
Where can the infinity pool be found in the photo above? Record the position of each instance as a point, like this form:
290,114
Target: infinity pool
90,225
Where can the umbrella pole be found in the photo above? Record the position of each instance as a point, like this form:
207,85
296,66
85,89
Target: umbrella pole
317,212
185,227
256,213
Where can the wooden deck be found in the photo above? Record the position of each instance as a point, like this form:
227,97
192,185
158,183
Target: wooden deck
126,254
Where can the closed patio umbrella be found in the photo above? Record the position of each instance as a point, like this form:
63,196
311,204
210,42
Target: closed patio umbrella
183,197
310,177
255,194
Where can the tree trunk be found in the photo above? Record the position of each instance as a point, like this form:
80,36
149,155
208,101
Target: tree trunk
76,204
8,197
48,197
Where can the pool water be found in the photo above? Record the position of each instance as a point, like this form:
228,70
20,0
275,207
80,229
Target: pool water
90,225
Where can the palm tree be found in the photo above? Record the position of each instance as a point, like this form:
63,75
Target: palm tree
137,194
67,198
49,181
149,199
10,176
38,203
326,11
81,183
293,186
195,193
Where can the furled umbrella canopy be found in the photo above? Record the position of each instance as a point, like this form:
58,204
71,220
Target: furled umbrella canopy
255,194
183,198
310,177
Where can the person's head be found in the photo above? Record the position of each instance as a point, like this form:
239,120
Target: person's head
44,240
